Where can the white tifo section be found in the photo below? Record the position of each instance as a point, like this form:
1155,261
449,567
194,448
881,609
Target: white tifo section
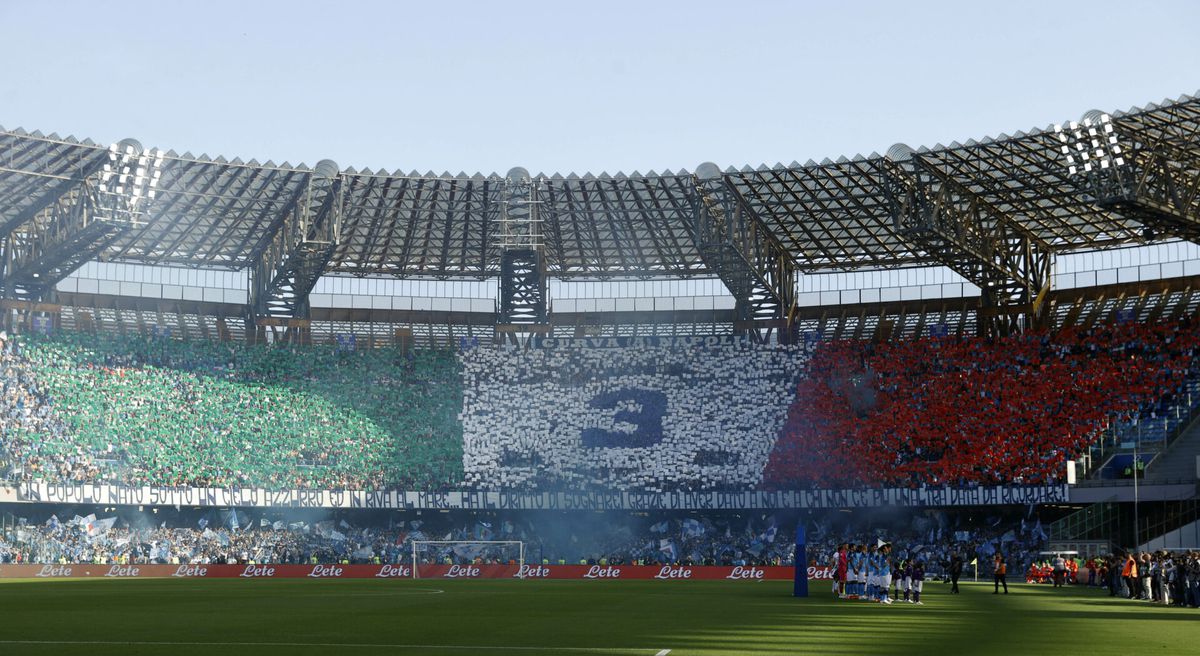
525,411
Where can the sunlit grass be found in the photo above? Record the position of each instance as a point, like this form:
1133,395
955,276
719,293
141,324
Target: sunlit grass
542,617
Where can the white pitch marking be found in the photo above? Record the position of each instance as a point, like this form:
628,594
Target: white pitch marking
334,645
397,593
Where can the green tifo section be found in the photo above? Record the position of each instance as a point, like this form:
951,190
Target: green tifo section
541,618
169,412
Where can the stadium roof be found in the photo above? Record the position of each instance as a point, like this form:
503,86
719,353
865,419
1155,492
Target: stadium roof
212,212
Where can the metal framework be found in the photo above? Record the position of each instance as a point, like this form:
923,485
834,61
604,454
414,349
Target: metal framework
288,266
1156,178
523,298
56,241
973,238
73,221
1167,299
1012,196
754,266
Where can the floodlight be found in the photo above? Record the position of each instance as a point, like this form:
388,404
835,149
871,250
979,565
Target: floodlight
1095,143
135,172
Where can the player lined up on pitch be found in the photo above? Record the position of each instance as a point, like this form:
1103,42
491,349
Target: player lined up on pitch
870,573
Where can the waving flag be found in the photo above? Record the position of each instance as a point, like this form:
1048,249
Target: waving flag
692,528
1037,530
100,526
770,533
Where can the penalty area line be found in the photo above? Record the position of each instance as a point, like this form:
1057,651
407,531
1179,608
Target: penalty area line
332,645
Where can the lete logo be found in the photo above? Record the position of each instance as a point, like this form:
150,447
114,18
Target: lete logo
820,573
668,572
740,572
254,571
462,572
598,572
190,570
393,572
53,570
324,572
118,570
534,572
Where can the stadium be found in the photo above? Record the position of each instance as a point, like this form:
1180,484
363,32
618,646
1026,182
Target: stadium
272,408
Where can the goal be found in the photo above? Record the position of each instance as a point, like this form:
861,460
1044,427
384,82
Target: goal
463,552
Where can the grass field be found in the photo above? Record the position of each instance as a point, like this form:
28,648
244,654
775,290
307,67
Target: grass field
228,617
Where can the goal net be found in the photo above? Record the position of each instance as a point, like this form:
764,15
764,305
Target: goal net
466,552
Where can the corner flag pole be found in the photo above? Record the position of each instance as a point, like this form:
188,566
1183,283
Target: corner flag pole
800,583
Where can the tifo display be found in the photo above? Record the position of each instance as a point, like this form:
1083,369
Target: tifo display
705,414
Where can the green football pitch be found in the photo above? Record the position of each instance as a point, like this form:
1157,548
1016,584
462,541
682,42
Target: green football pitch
647,618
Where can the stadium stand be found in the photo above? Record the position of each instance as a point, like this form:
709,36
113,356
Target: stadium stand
717,414
550,538
1005,410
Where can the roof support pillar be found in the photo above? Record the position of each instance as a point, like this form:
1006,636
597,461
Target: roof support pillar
287,269
973,238
524,304
738,247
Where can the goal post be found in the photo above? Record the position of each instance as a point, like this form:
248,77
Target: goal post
465,549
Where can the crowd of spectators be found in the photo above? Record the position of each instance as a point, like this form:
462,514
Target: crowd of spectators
75,541
220,537
152,411
971,411
713,414
651,417
249,537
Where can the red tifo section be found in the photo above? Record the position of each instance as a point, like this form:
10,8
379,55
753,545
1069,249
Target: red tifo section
962,411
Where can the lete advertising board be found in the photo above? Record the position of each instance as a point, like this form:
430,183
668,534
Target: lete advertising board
427,572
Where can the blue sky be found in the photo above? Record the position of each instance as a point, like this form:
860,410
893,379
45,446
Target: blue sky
572,86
